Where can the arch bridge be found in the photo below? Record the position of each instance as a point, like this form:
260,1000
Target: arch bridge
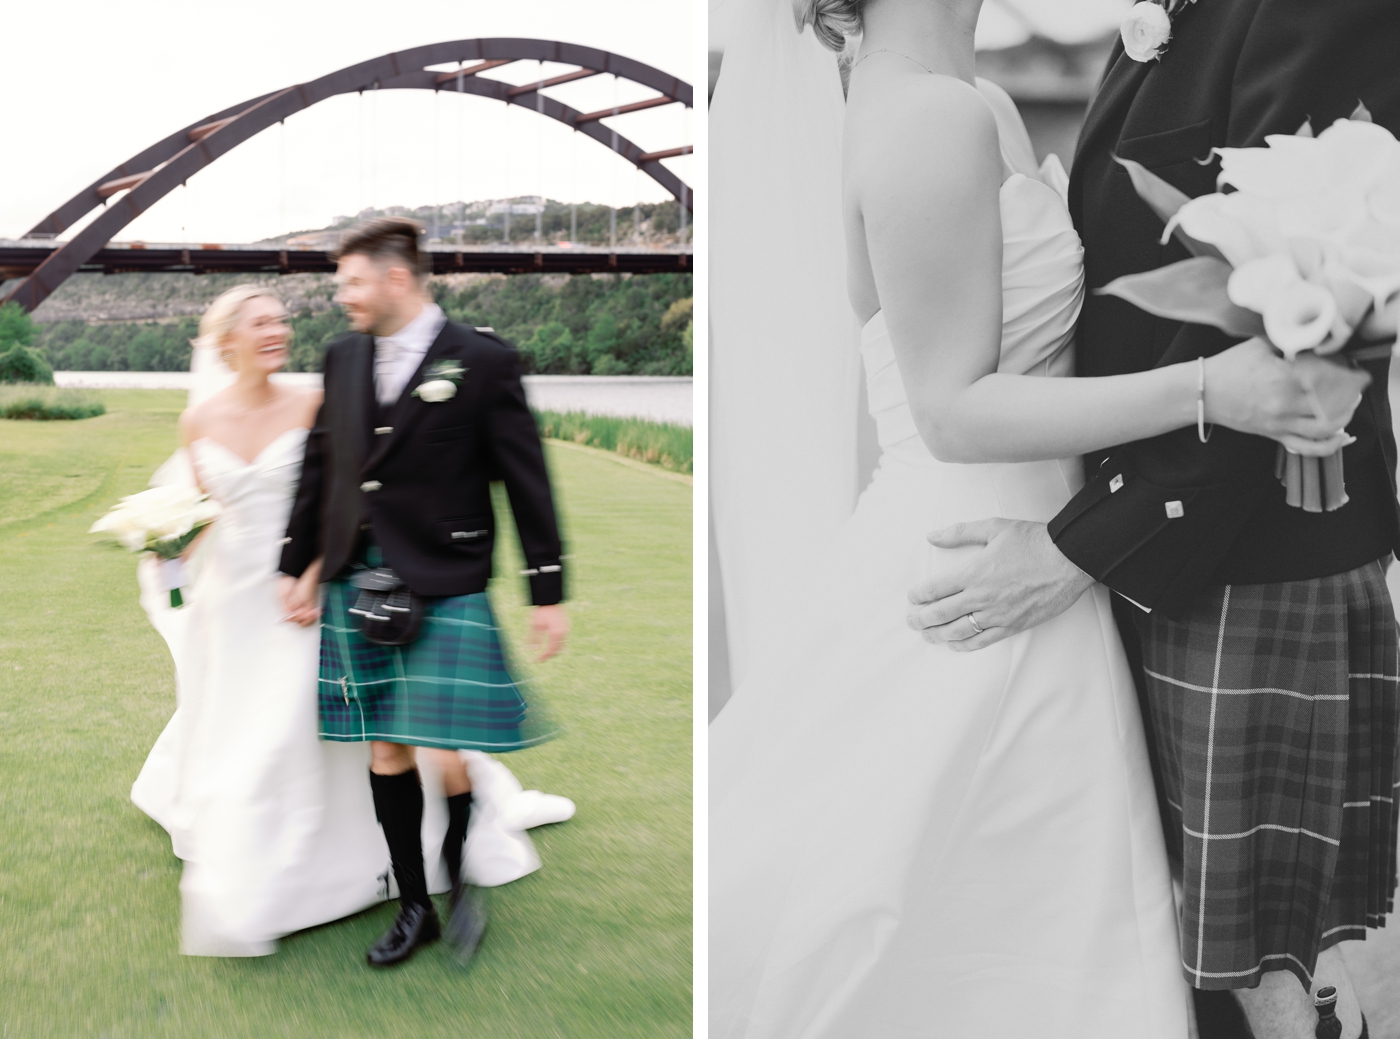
150,175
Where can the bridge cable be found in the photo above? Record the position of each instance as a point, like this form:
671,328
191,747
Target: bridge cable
539,159
573,187
282,176
437,198
462,152
612,174
374,146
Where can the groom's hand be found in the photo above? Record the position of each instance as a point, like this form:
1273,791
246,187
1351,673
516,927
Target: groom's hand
549,628
1019,580
301,596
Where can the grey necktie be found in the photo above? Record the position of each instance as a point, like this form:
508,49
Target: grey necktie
386,357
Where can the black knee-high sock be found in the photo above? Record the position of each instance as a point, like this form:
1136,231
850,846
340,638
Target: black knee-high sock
398,804
459,814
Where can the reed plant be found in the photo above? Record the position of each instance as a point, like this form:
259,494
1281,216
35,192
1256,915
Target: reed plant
660,443
46,403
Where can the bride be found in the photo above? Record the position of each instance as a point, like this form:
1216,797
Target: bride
908,840
276,827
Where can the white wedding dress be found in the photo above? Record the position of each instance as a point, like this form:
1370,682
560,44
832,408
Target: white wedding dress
911,842
277,827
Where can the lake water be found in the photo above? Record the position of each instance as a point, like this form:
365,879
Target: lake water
658,398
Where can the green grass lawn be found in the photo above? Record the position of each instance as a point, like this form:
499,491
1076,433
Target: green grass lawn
597,943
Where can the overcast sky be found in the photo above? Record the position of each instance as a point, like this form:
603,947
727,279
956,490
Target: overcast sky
87,84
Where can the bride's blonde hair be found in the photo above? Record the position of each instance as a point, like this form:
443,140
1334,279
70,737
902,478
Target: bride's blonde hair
218,321
836,23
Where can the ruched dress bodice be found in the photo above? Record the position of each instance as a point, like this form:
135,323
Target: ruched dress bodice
256,499
1042,285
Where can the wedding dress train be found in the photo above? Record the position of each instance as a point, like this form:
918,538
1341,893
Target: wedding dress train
277,828
907,841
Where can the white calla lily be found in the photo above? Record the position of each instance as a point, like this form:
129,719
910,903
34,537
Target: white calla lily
1357,152
1384,322
1256,284
1241,226
1300,319
1355,295
1383,198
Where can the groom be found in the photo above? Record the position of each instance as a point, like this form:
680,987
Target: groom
420,415
1262,637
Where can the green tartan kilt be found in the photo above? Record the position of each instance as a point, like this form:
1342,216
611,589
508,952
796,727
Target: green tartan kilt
451,687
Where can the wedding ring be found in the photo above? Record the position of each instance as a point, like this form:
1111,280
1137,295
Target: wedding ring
977,629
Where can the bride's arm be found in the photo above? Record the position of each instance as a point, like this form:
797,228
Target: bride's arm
926,174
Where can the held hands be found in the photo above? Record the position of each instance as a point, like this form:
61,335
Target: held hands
1019,580
1304,404
549,628
301,596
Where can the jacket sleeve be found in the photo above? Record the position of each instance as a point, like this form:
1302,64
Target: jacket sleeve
1156,519
303,541
518,459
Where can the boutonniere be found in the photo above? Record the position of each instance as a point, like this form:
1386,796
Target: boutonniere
440,383
1148,27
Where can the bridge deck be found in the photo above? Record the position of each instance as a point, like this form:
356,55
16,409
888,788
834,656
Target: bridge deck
19,258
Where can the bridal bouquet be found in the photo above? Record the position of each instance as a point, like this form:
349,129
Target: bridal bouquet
164,521
1304,252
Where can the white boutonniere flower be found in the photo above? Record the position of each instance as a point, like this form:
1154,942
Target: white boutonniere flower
1148,27
441,382
1145,31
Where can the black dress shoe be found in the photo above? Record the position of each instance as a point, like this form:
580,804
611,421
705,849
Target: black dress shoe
415,925
466,924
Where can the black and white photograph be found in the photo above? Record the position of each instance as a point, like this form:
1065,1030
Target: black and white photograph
1052,656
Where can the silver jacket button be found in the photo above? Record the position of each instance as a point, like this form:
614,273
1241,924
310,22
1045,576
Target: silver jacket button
371,485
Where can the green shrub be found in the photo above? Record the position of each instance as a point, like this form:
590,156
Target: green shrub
659,443
45,403
16,326
21,364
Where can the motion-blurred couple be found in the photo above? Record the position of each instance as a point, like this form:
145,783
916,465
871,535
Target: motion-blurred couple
339,624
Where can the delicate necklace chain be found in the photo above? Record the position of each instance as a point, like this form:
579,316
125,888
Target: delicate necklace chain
886,50
261,407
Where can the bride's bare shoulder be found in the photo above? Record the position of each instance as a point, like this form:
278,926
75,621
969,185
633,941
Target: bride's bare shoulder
309,401
194,421
919,126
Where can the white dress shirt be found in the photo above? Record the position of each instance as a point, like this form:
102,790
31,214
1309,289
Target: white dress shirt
398,356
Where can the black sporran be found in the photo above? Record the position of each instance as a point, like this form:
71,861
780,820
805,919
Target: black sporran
390,614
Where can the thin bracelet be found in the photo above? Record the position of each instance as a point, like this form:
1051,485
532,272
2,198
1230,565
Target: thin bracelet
1201,403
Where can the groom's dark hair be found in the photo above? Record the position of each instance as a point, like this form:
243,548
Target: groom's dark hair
388,239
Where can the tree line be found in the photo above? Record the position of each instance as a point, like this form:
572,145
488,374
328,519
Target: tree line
609,325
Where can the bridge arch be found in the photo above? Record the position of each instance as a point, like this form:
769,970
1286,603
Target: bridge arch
153,173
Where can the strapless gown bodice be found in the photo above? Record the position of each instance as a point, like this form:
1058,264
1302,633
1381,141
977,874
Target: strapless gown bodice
256,497
1042,286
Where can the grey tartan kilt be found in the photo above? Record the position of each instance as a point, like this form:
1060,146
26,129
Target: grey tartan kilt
1274,711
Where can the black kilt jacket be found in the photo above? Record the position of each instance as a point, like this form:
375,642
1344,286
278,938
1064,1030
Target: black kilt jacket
418,473
1234,71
